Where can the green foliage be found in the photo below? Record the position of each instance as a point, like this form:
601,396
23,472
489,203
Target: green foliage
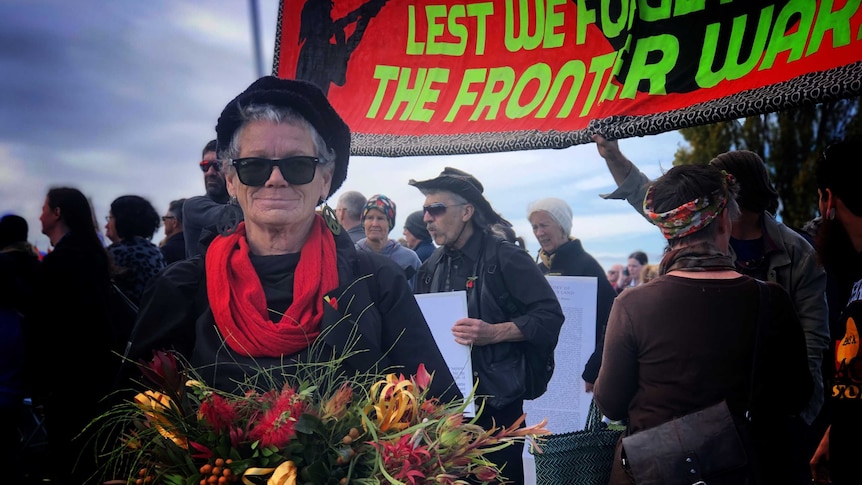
789,142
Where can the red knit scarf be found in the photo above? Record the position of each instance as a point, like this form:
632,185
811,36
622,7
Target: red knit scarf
239,305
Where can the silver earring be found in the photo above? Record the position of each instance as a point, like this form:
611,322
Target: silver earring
831,214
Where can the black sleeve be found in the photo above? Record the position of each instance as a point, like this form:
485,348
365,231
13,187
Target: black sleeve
543,317
166,318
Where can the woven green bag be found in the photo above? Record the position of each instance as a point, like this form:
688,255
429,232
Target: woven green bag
579,457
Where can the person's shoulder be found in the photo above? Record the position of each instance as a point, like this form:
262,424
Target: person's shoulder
789,238
183,272
407,253
380,265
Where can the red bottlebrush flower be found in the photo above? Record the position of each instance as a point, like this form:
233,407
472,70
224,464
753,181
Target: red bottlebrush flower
218,412
275,427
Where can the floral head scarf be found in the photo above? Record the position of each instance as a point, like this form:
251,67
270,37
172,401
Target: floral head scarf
692,216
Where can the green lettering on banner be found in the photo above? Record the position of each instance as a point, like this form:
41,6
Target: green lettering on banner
838,22
384,74
627,10
731,68
574,69
540,72
685,7
803,10
585,18
413,48
465,96
598,66
554,18
656,73
522,39
491,98
481,11
650,13
458,30
414,98
436,14
429,94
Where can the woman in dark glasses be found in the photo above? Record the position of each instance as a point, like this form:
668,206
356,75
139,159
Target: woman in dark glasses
287,283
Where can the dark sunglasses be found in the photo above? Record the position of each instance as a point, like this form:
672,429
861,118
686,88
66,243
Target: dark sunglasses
253,171
437,208
206,164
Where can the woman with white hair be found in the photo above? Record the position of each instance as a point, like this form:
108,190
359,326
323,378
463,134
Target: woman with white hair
563,255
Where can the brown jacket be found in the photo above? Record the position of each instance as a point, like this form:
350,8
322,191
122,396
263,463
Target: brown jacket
676,345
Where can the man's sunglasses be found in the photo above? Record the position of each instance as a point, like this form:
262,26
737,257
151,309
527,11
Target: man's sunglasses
255,171
437,208
206,164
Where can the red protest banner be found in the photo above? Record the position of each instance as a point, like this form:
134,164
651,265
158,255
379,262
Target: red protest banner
415,77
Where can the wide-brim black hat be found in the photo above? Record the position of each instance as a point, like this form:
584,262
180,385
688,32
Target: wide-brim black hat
303,97
465,185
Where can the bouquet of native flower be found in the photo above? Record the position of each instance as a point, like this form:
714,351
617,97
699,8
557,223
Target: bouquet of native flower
329,429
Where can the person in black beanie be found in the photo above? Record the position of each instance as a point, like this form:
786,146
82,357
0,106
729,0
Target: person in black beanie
284,151
417,236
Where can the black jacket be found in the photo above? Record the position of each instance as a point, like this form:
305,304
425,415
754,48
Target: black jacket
570,259
392,332
500,367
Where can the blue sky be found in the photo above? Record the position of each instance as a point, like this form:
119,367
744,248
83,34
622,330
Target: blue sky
118,98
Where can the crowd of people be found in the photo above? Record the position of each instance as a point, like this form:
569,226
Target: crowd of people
241,283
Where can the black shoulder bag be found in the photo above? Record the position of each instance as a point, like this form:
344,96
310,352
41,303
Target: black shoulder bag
539,365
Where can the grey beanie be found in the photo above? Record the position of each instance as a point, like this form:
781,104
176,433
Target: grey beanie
416,225
559,210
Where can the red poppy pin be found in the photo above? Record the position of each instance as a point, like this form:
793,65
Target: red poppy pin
333,302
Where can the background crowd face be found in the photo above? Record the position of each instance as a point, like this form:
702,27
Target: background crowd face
412,242
278,203
376,226
548,232
634,268
214,178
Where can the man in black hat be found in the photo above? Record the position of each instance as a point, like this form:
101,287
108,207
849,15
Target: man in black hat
514,318
762,248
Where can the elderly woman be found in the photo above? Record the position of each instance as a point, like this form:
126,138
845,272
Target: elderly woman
686,340
562,255
378,219
287,284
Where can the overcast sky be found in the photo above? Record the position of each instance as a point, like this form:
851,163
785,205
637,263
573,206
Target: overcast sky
118,98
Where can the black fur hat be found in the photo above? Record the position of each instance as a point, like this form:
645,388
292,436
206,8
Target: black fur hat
303,97
467,186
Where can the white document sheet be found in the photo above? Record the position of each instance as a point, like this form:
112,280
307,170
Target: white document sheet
565,403
441,311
